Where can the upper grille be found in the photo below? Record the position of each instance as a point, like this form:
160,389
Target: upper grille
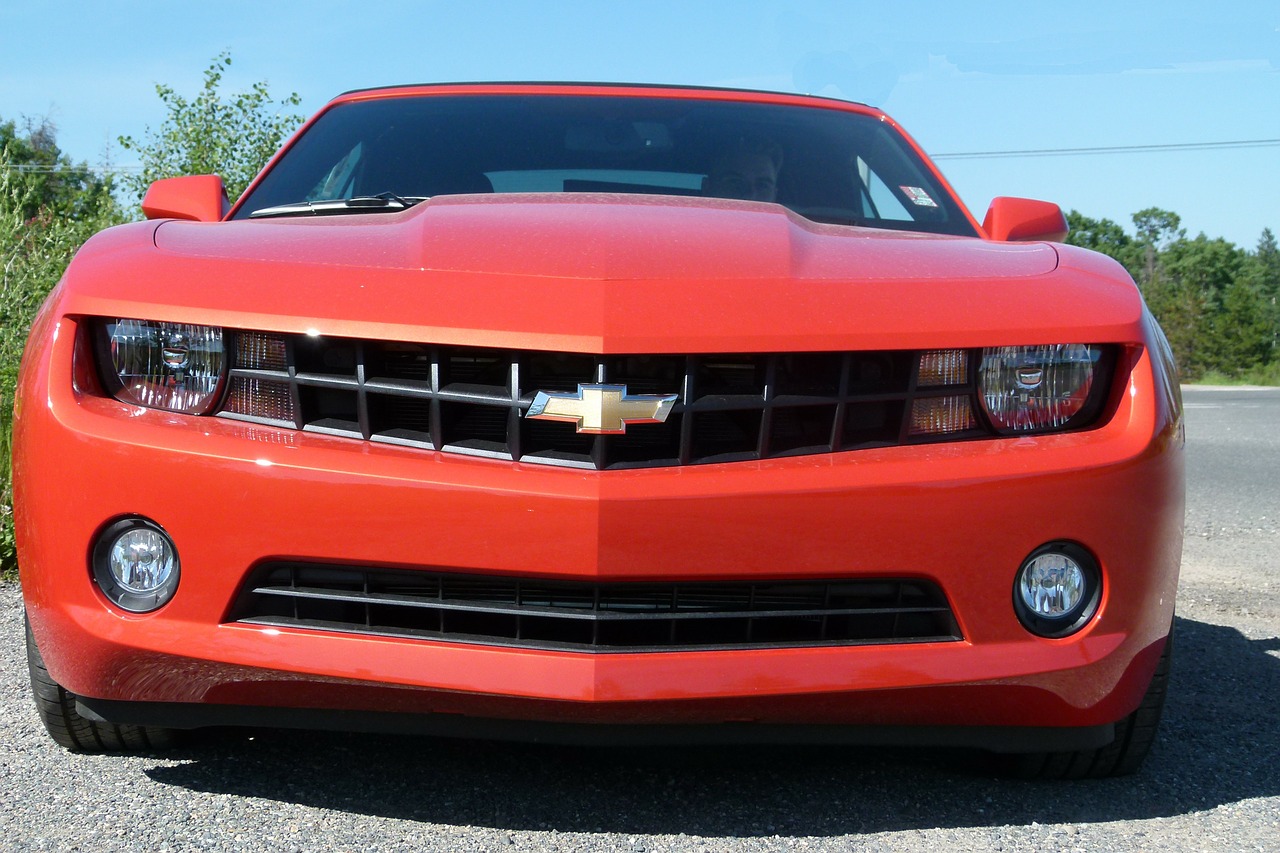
730,407
597,617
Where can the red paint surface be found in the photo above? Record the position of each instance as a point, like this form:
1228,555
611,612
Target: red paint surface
600,275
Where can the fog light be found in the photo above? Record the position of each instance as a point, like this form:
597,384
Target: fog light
1057,589
136,565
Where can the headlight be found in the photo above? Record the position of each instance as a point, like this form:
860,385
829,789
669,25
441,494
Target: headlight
174,366
1040,388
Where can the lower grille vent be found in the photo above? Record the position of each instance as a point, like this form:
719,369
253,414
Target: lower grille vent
597,617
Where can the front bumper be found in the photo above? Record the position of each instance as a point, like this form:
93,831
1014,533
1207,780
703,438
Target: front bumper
962,515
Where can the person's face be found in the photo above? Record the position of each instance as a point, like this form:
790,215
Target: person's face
747,176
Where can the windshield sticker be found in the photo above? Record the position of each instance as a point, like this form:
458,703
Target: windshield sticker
919,197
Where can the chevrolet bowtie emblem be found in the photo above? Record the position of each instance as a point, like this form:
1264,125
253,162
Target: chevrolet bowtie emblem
601,409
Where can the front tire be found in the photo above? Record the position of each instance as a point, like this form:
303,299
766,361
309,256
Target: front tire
1134,736
57,708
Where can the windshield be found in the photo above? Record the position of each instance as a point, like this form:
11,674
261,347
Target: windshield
829,165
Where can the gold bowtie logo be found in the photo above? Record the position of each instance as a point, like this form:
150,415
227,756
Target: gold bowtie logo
601,409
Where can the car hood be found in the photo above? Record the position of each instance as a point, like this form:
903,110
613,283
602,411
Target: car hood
604,274
606,237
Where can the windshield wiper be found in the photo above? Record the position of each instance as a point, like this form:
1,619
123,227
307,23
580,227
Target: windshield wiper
380,203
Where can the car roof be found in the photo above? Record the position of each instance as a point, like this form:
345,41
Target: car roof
598,88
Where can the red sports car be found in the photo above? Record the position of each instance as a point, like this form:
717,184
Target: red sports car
594,412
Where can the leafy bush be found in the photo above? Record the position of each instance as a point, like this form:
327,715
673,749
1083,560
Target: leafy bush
49,206
38,237
210,134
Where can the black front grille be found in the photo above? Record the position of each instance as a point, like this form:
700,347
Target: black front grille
597,617
729,407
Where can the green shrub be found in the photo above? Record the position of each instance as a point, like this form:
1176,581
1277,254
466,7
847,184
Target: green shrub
1266,374
49,206
34,250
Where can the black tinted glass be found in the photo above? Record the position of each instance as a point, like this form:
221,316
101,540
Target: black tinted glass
829,165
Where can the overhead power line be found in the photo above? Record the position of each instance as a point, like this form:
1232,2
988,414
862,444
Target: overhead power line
41,169
59,169
1111,149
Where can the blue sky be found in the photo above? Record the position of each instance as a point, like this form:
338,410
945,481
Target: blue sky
961,77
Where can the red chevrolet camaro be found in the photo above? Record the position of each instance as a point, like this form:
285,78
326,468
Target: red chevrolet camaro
594,412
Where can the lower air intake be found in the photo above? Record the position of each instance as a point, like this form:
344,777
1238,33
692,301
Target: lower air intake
597,617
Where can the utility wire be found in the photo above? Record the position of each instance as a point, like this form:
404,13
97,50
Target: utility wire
41,169
57,169
1111,149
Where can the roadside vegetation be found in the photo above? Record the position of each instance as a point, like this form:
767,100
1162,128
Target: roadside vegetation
1216,301
49,206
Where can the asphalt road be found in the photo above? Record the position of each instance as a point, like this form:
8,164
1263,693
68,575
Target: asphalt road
1211,783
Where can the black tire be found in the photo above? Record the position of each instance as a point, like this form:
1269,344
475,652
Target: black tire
1134,736
57,710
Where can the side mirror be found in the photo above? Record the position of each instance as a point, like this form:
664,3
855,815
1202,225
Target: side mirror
1024,219
201,198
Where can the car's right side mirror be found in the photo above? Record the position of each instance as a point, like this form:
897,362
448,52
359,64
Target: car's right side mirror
1024,219
202,198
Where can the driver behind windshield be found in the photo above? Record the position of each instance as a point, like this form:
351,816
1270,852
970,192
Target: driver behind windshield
748,170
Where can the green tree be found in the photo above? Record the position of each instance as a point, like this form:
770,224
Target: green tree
1206,265
1157,229
1262,272
231,136
1215,301
1242,331
47,178
1201,272
1183,315
45,214
1268,257
1102,235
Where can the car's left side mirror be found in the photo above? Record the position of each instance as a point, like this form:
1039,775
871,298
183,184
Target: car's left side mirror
1024,219
202,198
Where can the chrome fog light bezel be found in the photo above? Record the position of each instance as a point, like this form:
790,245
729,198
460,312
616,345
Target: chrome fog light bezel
119,592
1073,619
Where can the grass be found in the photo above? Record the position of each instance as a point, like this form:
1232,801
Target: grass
1267,374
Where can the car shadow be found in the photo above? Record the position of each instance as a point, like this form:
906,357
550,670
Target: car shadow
1218,745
